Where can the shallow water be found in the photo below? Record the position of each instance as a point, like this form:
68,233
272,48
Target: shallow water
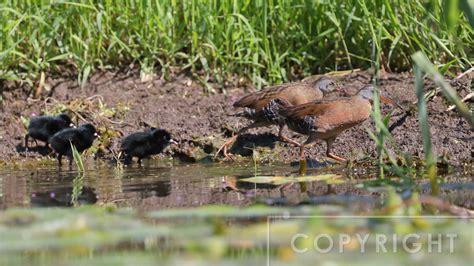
110,236
160,184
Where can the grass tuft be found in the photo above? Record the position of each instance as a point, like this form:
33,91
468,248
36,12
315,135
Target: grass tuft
266,41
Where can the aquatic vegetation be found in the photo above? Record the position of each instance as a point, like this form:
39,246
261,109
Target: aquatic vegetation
280,180
218,233
78,182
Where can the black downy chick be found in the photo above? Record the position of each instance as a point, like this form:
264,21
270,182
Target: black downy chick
144,144
44,127
81,137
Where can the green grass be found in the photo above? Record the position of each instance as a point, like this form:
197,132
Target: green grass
78,182
266,41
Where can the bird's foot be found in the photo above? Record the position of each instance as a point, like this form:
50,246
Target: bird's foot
223,148
228,156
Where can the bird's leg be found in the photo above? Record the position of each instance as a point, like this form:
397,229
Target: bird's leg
302,146
229,142
70,162
26,142
329,154
127,160
285,138
308,142
60,160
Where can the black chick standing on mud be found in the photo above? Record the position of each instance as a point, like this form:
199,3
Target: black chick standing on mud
81,137
144,144
44,127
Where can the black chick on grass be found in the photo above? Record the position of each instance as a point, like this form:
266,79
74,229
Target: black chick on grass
144,144
44,127
81,137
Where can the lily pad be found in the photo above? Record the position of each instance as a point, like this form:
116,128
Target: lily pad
280,180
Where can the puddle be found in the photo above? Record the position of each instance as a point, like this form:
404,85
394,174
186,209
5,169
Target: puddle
161,184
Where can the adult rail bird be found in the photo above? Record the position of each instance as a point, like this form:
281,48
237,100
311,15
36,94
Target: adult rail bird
326,119
262,110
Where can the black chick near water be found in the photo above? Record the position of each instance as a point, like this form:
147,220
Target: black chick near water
81,137
44,127
144,144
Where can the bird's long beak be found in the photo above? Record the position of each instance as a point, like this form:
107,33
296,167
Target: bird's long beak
391,102
172,141
96,135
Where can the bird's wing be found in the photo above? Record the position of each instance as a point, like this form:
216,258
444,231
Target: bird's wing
70,136
62,139
54,126
315,108
295,93
336,114
266,93
135,139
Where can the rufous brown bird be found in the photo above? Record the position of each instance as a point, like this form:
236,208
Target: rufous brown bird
326,119
259,107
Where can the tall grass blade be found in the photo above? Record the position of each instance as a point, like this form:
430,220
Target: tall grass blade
266,41
77,158
77,187
78,182
467,6
425,65
430,159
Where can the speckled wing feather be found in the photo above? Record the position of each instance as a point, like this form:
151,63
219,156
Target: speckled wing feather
250,100
314,108
332,115
295,93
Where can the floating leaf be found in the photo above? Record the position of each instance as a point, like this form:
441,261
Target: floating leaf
280,180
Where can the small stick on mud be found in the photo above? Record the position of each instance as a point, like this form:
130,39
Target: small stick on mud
469,71
79,115
446,206
437,203
468,97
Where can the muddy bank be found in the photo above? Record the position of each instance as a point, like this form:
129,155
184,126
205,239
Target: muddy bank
200,121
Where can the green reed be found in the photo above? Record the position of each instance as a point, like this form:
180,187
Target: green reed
78,182
422,64
266,41
430,159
